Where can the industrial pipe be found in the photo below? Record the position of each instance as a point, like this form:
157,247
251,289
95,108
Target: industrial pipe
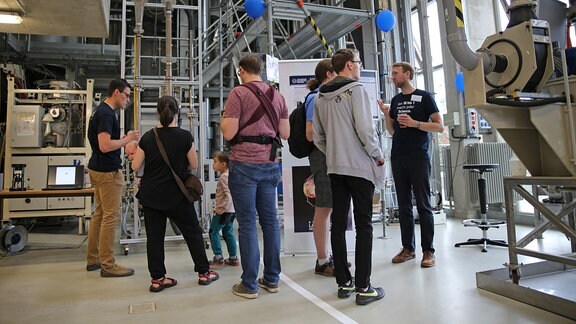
521,11
458,43
169,5
188,15
138,32
456,36
139,15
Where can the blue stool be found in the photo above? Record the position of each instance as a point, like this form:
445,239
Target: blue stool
483,223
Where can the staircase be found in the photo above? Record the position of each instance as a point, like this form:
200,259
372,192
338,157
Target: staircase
241,31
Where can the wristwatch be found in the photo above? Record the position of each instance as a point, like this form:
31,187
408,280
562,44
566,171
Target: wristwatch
418,125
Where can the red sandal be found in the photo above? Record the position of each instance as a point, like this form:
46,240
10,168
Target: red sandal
207,278
159,284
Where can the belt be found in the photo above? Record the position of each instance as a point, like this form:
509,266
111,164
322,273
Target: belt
264,140
257,139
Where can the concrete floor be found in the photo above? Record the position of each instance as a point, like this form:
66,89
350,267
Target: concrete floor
51,286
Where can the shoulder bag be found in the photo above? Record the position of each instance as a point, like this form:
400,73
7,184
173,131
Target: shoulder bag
192,189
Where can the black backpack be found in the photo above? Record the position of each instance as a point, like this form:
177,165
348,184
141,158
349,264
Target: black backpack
299,146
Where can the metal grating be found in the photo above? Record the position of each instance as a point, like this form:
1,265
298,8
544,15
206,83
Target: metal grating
480,153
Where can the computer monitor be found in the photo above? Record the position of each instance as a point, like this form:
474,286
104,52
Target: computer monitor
65,177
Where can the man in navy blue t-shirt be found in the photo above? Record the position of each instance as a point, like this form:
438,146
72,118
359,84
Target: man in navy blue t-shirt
106,178
410,117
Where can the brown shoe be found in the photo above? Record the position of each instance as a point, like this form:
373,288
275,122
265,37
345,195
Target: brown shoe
404,256
116,271
326,269
428,260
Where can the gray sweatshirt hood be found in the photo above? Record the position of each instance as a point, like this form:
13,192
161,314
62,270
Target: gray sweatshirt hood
343,129
337,86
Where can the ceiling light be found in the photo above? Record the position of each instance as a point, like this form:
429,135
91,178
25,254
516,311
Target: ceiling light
10,18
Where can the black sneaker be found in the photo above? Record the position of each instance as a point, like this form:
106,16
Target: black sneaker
346,290
370,295
326,269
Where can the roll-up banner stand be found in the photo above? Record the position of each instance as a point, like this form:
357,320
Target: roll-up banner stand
297,182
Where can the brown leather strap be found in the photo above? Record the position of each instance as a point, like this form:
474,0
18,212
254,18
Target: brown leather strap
165,157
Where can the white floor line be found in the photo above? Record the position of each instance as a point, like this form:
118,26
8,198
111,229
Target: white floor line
341,317
338,315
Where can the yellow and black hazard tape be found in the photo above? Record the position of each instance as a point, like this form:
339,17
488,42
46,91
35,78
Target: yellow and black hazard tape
310,20
459,13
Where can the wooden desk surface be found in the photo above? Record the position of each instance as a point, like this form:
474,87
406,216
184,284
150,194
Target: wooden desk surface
46,193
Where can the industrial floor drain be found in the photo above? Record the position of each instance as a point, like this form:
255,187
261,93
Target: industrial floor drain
142,308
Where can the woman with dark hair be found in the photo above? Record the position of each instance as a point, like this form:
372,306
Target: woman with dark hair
161,197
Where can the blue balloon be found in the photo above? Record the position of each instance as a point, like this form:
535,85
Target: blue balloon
254,8
385,20
459,81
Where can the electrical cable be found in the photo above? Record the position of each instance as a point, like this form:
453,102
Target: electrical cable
61,248
534,103
450,191
461,137
490,93
29,230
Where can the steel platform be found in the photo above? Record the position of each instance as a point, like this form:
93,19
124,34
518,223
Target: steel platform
547,285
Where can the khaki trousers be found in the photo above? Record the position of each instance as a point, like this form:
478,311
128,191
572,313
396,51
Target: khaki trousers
108,190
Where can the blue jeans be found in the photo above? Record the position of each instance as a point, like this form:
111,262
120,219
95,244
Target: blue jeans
253,188
227,228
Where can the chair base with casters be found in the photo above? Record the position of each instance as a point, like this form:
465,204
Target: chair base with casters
484,226
483,222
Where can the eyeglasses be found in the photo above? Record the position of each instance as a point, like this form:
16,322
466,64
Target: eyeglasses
359,64
126,94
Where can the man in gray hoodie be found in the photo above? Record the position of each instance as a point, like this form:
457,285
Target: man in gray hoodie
343,130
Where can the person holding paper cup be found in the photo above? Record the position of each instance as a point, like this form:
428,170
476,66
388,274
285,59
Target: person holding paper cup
410,118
